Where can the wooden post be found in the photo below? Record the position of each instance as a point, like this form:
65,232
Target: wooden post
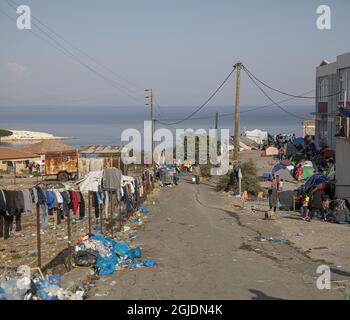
38,234
101,219
111,211
236,129
69,241
89,211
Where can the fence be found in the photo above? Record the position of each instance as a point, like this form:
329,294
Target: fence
107,224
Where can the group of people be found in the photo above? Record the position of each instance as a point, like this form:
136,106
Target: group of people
313,203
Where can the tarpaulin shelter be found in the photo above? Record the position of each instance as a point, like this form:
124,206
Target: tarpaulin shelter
291,150
299,141
284,174
277,167
344,112
285,162
307,163
257,135
307,172
271,151
266,175
286,198
296,158
315,180
327,153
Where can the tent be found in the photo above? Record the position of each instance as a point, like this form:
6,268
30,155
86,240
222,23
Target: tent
299,141
277,167
291,150
266,175
328,153
296,158
271,151
307,172
315,180
286,199
290,168
284,174
285,162
257,135
307,163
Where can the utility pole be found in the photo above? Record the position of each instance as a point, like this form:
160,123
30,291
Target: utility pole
150,103
238,66
216,120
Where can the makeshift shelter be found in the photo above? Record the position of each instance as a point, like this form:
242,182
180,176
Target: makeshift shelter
290,168
307,163
315,180
327,153
271,151
296,158
257,135
307,172
284,174
285,162
286,199
291,150
266,175
277,167
299,141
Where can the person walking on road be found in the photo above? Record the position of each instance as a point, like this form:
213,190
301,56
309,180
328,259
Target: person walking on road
196,171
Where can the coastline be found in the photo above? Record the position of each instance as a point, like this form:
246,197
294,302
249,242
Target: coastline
31,136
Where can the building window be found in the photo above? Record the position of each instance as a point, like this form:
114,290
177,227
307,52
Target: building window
323,90
344,84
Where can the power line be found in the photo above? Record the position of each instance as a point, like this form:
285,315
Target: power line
58,46
282,92
205,103
244,111
13,4
274,102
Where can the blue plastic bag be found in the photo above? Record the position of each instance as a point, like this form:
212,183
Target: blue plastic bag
149,263
134,253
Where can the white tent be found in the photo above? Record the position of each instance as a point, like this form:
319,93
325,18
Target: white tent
257,135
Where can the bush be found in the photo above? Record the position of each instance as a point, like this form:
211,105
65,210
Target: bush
250,181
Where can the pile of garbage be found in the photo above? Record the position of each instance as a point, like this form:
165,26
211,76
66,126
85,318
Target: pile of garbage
24,285
106,255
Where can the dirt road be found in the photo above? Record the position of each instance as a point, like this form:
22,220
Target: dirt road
208,249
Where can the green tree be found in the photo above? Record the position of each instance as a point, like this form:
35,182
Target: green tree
5,133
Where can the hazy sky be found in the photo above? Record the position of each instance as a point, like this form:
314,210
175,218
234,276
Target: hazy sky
181,48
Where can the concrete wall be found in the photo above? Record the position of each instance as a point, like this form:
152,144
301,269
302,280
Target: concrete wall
342,168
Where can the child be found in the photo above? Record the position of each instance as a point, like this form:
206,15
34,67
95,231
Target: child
281,185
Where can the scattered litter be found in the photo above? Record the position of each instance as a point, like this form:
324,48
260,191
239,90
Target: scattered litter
275,241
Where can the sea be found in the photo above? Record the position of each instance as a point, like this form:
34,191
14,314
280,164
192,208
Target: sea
104,125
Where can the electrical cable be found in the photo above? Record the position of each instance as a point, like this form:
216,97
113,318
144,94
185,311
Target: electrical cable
282,92
274,102
204,104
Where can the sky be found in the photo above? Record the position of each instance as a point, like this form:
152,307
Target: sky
182,49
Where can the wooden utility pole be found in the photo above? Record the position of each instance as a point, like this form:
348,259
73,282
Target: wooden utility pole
152,121
216,120
236,129
150,103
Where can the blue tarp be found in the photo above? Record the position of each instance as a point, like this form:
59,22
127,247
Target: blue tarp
344,112
315,180
277,167
299,142
266,175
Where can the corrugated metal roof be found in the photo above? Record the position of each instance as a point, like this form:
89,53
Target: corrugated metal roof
99,149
